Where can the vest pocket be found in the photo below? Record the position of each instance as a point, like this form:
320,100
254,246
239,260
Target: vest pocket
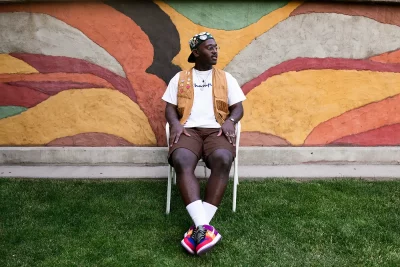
222,109
221,106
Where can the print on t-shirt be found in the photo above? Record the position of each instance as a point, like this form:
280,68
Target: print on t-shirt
202,85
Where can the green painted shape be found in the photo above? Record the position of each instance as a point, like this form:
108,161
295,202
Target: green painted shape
225,15
8,111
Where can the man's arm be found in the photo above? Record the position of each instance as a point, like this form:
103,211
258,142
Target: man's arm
236,112
228,128
171,114
176,129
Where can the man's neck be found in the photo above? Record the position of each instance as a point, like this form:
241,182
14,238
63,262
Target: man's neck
201,67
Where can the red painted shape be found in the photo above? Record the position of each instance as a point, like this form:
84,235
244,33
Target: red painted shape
20,96
59,77
90,139
384,136
262,139
53,87
371,116
51,64
384,13
300,64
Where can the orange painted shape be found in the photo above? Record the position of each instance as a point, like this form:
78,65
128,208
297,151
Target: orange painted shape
390,57
368,117
149,98
10,64
72,112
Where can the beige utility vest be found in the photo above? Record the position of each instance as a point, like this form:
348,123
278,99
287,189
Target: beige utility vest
186,95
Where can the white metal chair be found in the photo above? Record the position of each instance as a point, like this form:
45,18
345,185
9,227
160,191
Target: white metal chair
172,174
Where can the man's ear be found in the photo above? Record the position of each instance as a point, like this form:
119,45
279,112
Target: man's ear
195,52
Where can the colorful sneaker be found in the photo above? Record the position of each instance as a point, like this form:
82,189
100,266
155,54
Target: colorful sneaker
188,241
206,237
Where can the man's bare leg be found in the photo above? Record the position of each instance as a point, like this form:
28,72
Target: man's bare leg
185,162
220,162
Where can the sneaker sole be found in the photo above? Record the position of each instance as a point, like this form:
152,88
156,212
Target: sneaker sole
188,249
209,246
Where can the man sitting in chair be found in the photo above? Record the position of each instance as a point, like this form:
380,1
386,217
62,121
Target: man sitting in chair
203,106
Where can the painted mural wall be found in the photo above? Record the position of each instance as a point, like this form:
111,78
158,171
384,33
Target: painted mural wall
92,74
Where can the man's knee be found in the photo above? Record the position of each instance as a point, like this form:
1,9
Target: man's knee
220,159
184,160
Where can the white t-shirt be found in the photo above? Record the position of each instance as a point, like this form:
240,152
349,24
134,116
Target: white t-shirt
202,113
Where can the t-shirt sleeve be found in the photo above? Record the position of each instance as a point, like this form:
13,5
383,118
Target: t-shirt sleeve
171,93
235,93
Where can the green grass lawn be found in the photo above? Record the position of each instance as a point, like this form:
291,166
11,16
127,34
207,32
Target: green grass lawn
123,223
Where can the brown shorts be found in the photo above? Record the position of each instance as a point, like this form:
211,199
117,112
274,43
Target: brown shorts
202,142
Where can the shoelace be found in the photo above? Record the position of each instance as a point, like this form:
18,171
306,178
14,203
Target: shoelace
198,234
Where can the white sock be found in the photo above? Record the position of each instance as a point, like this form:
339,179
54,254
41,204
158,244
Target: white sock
197,212
210,211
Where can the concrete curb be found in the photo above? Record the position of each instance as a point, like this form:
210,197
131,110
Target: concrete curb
302,172
151,162
248,156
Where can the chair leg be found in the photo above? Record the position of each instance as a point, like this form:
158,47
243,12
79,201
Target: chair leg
174,175
235,184
168,208
236,163
234,190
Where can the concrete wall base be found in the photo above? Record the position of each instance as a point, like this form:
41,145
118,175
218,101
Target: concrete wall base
302,172
248,156
254,162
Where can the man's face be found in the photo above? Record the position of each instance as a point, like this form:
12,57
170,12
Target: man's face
207,52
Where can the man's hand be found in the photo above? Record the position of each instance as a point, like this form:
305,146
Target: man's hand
176,131
228,129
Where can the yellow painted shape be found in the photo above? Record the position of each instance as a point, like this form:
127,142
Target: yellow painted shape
10,64
230,42
292,104
78,111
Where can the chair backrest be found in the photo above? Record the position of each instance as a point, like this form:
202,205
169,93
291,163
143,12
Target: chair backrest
238,129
